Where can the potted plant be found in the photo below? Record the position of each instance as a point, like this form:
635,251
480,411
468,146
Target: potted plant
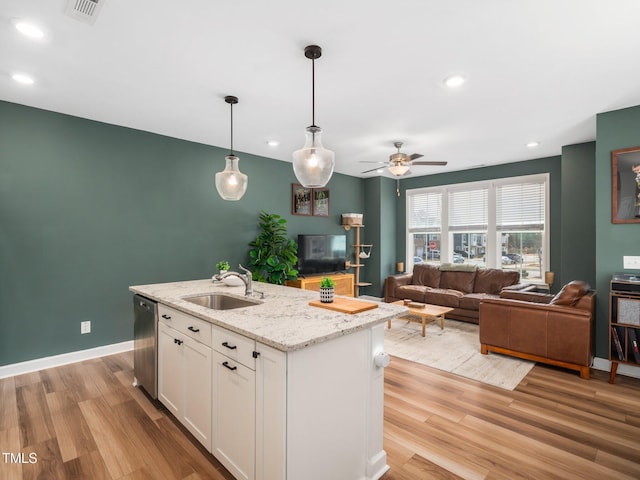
273,257
222,266
327,288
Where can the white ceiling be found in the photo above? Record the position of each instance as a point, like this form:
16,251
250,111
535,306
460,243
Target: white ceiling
536,69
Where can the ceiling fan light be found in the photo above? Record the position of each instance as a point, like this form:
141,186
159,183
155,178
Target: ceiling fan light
231,183
313,164
398,170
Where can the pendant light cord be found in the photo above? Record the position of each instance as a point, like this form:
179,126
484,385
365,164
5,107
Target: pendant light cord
313,92
231,128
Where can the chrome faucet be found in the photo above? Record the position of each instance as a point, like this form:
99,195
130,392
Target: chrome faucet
245,277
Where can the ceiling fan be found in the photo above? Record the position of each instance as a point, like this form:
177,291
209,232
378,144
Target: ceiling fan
399,163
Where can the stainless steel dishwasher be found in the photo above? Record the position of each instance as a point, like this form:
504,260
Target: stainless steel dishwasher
145,344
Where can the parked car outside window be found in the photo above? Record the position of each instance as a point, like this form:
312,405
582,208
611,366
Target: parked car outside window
457,258
515,257
417,260
433,253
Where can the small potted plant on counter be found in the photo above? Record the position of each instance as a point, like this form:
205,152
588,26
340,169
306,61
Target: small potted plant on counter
326,290
222,267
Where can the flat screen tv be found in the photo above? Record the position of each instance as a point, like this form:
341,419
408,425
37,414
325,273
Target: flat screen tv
319,254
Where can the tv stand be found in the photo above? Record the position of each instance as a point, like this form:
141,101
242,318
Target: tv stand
344,283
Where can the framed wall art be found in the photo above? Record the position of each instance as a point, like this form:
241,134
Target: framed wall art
625,185
300,200
320,202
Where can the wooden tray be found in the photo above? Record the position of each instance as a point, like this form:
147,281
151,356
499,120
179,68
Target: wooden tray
345,305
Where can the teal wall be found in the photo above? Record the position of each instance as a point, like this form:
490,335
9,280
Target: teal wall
87,209
615,130
578,225
380,230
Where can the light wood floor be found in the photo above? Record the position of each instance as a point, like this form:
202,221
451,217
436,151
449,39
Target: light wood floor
86,421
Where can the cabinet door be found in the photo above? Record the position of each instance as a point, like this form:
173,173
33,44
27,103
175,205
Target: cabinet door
197,390
271,414
234,416
170,369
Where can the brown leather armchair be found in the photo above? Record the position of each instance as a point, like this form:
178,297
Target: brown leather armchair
556,330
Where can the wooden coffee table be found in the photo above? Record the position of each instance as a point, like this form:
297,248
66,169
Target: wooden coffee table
428,312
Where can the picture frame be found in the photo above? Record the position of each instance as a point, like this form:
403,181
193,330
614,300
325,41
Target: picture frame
301,200
320,202
625,185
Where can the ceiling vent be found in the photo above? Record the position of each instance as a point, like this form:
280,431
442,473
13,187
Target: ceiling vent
84,10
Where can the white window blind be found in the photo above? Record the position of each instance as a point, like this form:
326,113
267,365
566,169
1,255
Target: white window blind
468,209
425,212
520,206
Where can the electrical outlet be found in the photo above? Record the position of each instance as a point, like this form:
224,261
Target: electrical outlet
631,262
85,327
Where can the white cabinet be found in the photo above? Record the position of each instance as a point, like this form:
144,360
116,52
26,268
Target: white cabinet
184,371
234,403
314,413
271,413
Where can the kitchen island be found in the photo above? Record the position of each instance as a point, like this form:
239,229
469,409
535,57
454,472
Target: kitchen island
278,389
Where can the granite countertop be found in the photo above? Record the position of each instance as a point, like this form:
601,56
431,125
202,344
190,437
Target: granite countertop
283,320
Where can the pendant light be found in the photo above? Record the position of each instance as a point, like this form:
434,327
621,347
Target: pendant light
313,164
231,183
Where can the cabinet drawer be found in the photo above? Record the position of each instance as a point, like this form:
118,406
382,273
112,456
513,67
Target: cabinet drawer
234,346
193,327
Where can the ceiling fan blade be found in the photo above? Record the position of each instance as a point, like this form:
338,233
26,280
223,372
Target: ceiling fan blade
414,156
372,170
430,163
372,161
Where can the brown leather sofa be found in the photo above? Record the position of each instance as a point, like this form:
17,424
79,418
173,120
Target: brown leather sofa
461,287
556,330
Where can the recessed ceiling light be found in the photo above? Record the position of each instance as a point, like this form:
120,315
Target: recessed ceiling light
23,78
454,81
273,143
29,29
533,144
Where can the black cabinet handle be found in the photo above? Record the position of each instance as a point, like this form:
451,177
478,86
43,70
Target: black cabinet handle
166,317
226,364
256,354
194,330
179,342
230,347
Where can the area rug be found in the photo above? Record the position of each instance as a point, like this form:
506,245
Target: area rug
456,349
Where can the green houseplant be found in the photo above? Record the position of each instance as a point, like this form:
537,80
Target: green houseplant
223,266
273,257
327,289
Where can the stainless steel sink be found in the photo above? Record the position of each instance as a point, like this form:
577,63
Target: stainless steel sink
221,301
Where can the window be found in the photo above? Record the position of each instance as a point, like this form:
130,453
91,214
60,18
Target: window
425,220
497,224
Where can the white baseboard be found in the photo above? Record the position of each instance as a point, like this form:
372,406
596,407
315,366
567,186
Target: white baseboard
63,359
623,368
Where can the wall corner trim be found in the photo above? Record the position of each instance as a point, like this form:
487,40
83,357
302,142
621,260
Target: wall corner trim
63,359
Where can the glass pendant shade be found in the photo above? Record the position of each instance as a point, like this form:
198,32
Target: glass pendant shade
313,164
399,170
231,183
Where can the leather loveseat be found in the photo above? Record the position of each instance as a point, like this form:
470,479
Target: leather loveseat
459,286
556,330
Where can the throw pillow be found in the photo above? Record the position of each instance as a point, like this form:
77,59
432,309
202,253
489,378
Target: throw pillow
571,293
